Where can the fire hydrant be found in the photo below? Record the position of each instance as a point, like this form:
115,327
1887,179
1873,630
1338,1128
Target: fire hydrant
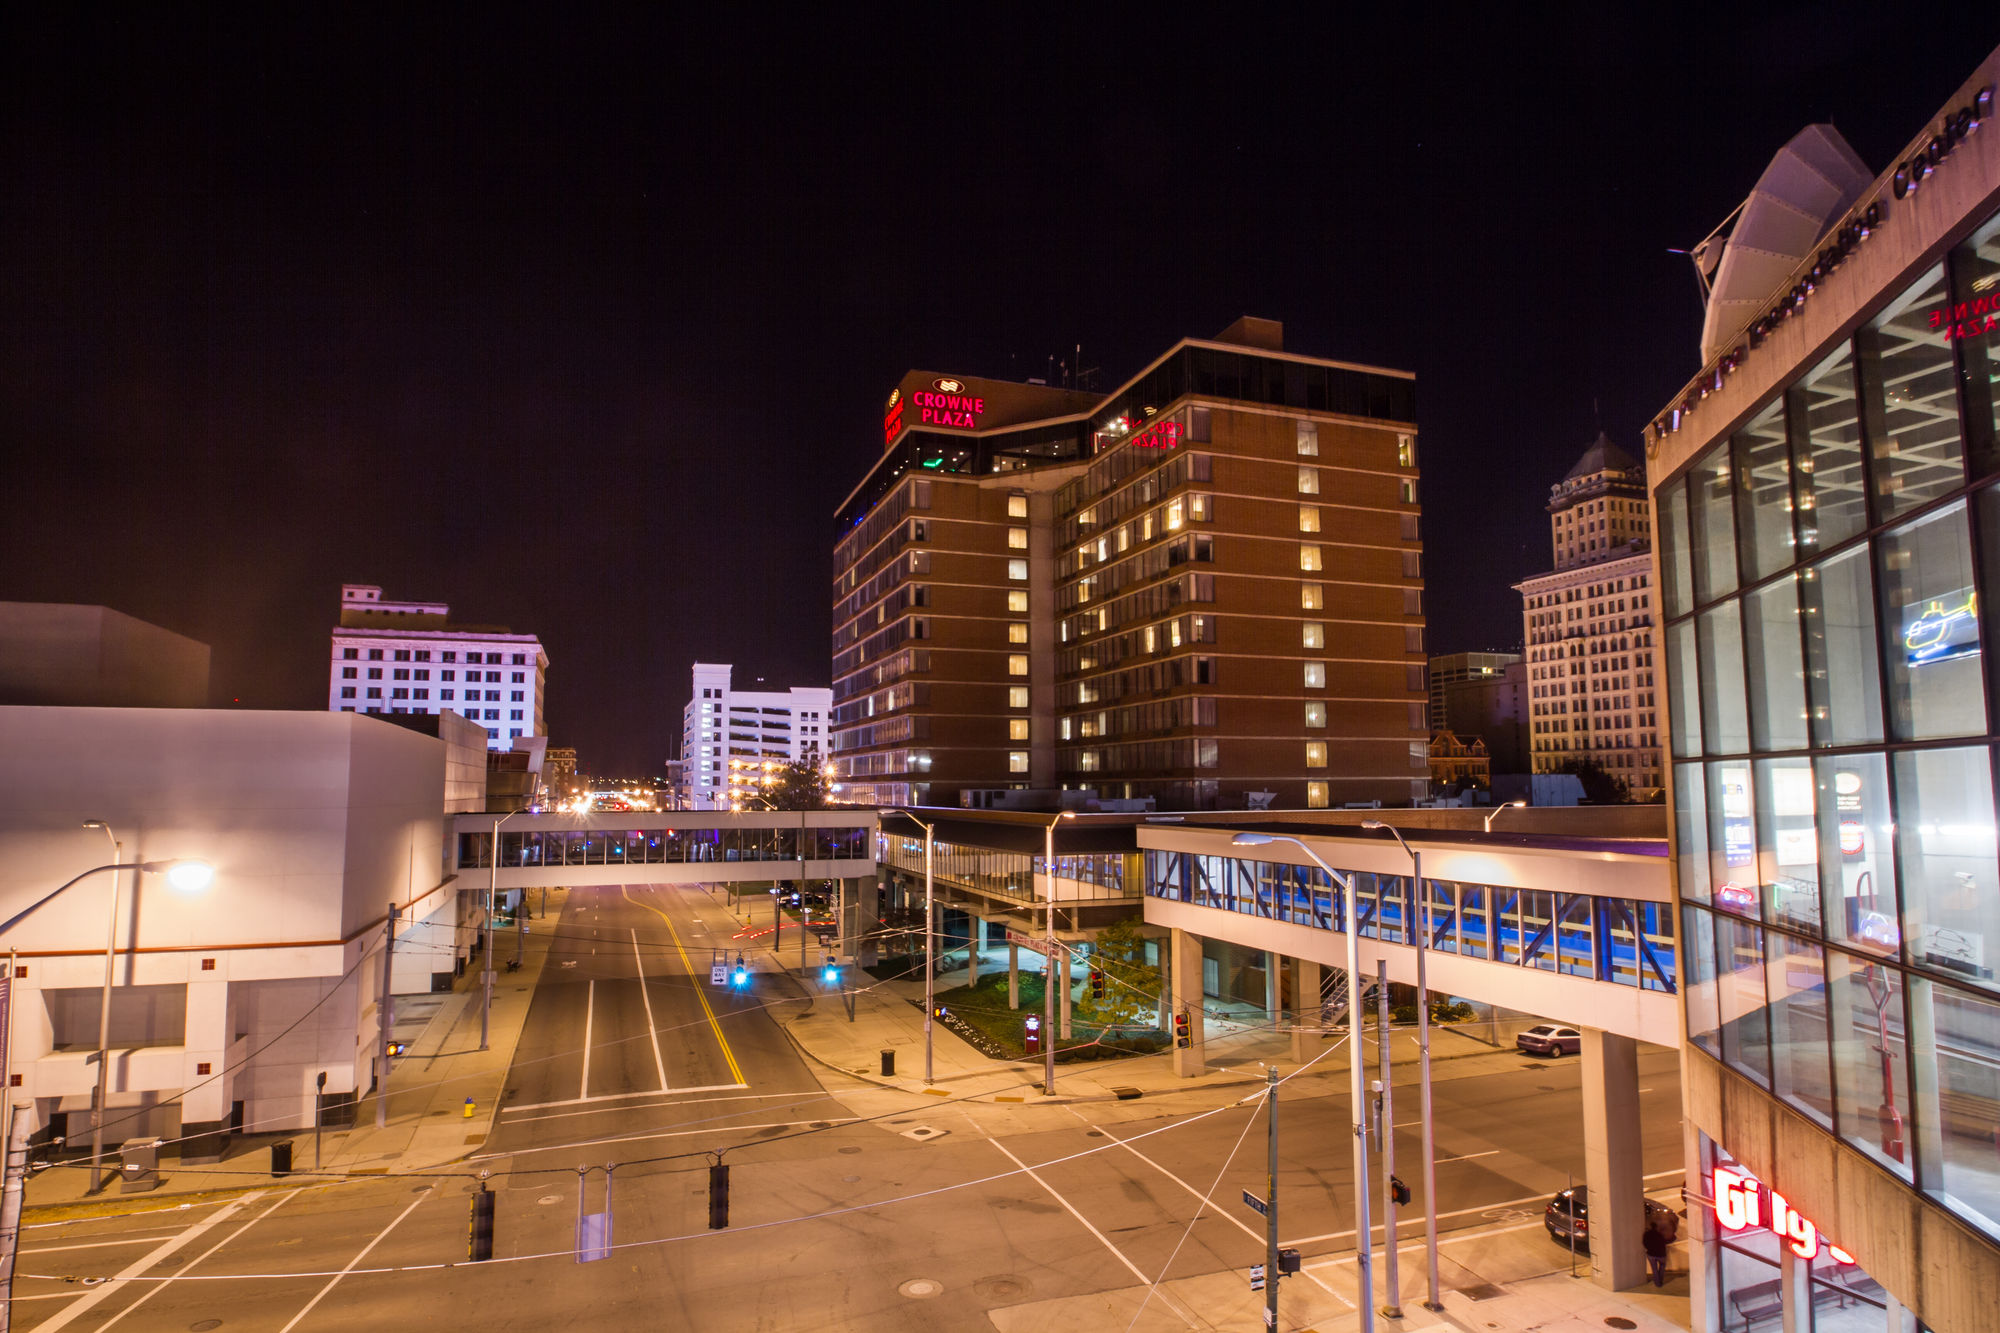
468,1108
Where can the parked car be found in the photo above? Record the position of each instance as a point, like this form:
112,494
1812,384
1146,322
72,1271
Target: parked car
1568,1215
1550,1039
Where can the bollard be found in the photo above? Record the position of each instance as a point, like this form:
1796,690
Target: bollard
888,1064
468,1108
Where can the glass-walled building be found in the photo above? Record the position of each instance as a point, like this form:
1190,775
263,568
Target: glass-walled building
1827,497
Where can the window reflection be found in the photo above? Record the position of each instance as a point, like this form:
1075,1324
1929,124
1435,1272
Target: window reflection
1788,843
1725,721
1739,969
1841,675
1827,430
1676,573
1960,1115
1945,849
1856,834
1732,840
1870,1062
1777,681
1796,978
1764,491
1910,401
1711,508
1930,621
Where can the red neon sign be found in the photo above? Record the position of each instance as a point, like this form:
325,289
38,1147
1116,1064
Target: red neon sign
892,423
1967,319
1742,1202
1159,435
947,404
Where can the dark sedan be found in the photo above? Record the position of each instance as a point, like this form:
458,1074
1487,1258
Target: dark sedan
1568,1218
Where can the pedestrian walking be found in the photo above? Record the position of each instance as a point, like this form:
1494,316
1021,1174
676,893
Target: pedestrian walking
1655,1242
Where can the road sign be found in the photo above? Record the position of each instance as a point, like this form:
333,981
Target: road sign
593,1237
1257,1203
718,975
1256,1277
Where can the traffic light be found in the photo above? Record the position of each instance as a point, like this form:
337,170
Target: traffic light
479,1233
718,1196
1398,1190
829,972
740,976
396,1049
1183,1031
1096,984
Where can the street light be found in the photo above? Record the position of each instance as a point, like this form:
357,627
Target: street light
1357,1061
930,966
1511,805
1049,959
1424,1052
183,873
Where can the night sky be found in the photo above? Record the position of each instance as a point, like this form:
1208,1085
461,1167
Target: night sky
587,331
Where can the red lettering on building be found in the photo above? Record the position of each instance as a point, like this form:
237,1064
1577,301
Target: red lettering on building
1159,435
1967,319
951,410
1743,1202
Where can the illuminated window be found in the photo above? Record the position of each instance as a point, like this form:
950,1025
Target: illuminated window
1308,518
1017,602
1017,728
1173,515
1406,451
1316,715
1308,436
1065,728
1017,633
1309,558
1017,505
1198,508
1017,761
1314,634
1409,492
1146,528
1312,596
1124,537
1315,675
1315,796
1308,479
1018,570
1087,761
1017,539
1017,696
1315,754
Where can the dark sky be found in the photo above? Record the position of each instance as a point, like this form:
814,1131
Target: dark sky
586,331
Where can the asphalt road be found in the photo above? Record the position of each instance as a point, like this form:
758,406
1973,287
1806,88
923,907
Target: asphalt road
631,1057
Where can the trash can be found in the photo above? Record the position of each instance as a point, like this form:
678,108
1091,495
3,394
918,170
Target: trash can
888,1064
138,1166
281,1158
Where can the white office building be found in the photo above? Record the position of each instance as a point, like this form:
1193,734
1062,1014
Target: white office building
721,723
407,657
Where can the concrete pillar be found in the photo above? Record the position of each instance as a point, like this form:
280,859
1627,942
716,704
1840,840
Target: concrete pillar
867,921
978,942
1306,1039
1059,968
1187,999
1899,1317
1274,987
204,1106
1698,1228
1612,1166
1795,1286
1013,972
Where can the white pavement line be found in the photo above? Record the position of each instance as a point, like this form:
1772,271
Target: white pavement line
1221,1211
141,1264
663,1134
1468,1156
157,1287
92,1244
353,1263
651,1031
1461,1212
1165,1298
628,1096
589,1004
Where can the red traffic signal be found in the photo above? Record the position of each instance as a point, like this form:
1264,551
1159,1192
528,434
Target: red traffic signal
1183,1030
1096,984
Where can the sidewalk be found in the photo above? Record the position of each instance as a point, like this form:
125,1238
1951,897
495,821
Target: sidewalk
428,1091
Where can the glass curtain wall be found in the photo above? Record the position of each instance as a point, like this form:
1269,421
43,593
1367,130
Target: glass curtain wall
1827,571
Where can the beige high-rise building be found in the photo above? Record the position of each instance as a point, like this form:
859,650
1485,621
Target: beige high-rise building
1589,626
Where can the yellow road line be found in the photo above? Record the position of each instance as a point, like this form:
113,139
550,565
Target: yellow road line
700,993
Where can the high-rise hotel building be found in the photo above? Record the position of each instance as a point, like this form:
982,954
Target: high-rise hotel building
407,657
1590,627
724,724
1827,492
1204,587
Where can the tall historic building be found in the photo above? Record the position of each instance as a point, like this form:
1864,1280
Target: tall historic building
407,657
1203,587
1589,626
723,723
1828,496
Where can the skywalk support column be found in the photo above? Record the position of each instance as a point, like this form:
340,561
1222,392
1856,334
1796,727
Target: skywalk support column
977,942
1274,987
1306,1041
1013,971
1612,1165
1191,1061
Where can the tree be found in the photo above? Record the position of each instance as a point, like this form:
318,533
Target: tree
1131,984
801,785
1600,787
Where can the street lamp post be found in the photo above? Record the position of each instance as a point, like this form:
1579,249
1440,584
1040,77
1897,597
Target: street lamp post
1491,816
182,873
930,917
1424,1054
1049,959
492,888
1357,1063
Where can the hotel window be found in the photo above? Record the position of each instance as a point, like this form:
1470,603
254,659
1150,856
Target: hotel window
448,657
492,715
1017,539
1315,796
347,691
1315,754
374,673
516,695
1017,506
1308,518
1316,715
514,715
1017,696
1198,506
1017,633
1017,761
347,673
402,654
1308,479
1309,558
374,654
423,654
520,659
517,677
1017,664
1308,438
1408,490
1315,675
447,695
1312,597
447,675
349,654
1406,451
1017,728
423,694
374,692
423,674
1017,602
401,673
1174,515
1313,634
1017,570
